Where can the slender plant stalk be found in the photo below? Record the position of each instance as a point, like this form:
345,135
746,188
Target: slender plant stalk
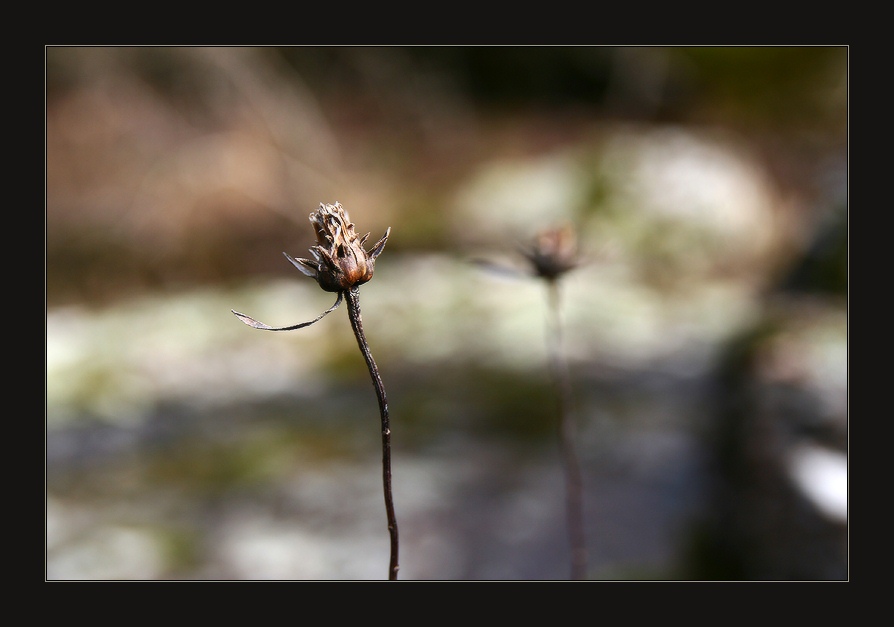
566,431
341,264
353,297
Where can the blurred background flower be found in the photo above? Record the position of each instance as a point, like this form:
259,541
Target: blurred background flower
706,330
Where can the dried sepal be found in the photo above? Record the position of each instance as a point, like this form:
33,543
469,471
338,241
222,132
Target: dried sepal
306,266
376,250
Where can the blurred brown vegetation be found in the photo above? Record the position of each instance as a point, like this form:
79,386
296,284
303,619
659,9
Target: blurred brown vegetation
179,166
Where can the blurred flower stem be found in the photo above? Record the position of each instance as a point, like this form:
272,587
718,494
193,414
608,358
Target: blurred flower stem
340,264
554,253
567,434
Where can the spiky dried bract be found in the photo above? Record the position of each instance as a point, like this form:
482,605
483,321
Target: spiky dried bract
339,260
553,252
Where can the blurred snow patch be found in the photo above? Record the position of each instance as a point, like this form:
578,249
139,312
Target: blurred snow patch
821,474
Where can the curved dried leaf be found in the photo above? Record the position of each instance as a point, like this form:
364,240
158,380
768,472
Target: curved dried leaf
266,327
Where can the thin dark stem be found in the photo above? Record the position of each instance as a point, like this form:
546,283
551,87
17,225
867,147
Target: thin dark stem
353,298
573,481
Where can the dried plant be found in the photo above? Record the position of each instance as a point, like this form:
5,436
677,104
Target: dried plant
340,264
552,254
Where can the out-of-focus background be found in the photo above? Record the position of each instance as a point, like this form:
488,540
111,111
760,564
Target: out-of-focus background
705,332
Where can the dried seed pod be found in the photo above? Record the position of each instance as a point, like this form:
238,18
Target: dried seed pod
553,252
339,260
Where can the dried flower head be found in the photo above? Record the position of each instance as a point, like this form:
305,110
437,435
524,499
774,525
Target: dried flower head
339,260
340,263
553,252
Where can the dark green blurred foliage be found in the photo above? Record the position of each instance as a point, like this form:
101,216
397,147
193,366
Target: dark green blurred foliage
823,268
775,83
